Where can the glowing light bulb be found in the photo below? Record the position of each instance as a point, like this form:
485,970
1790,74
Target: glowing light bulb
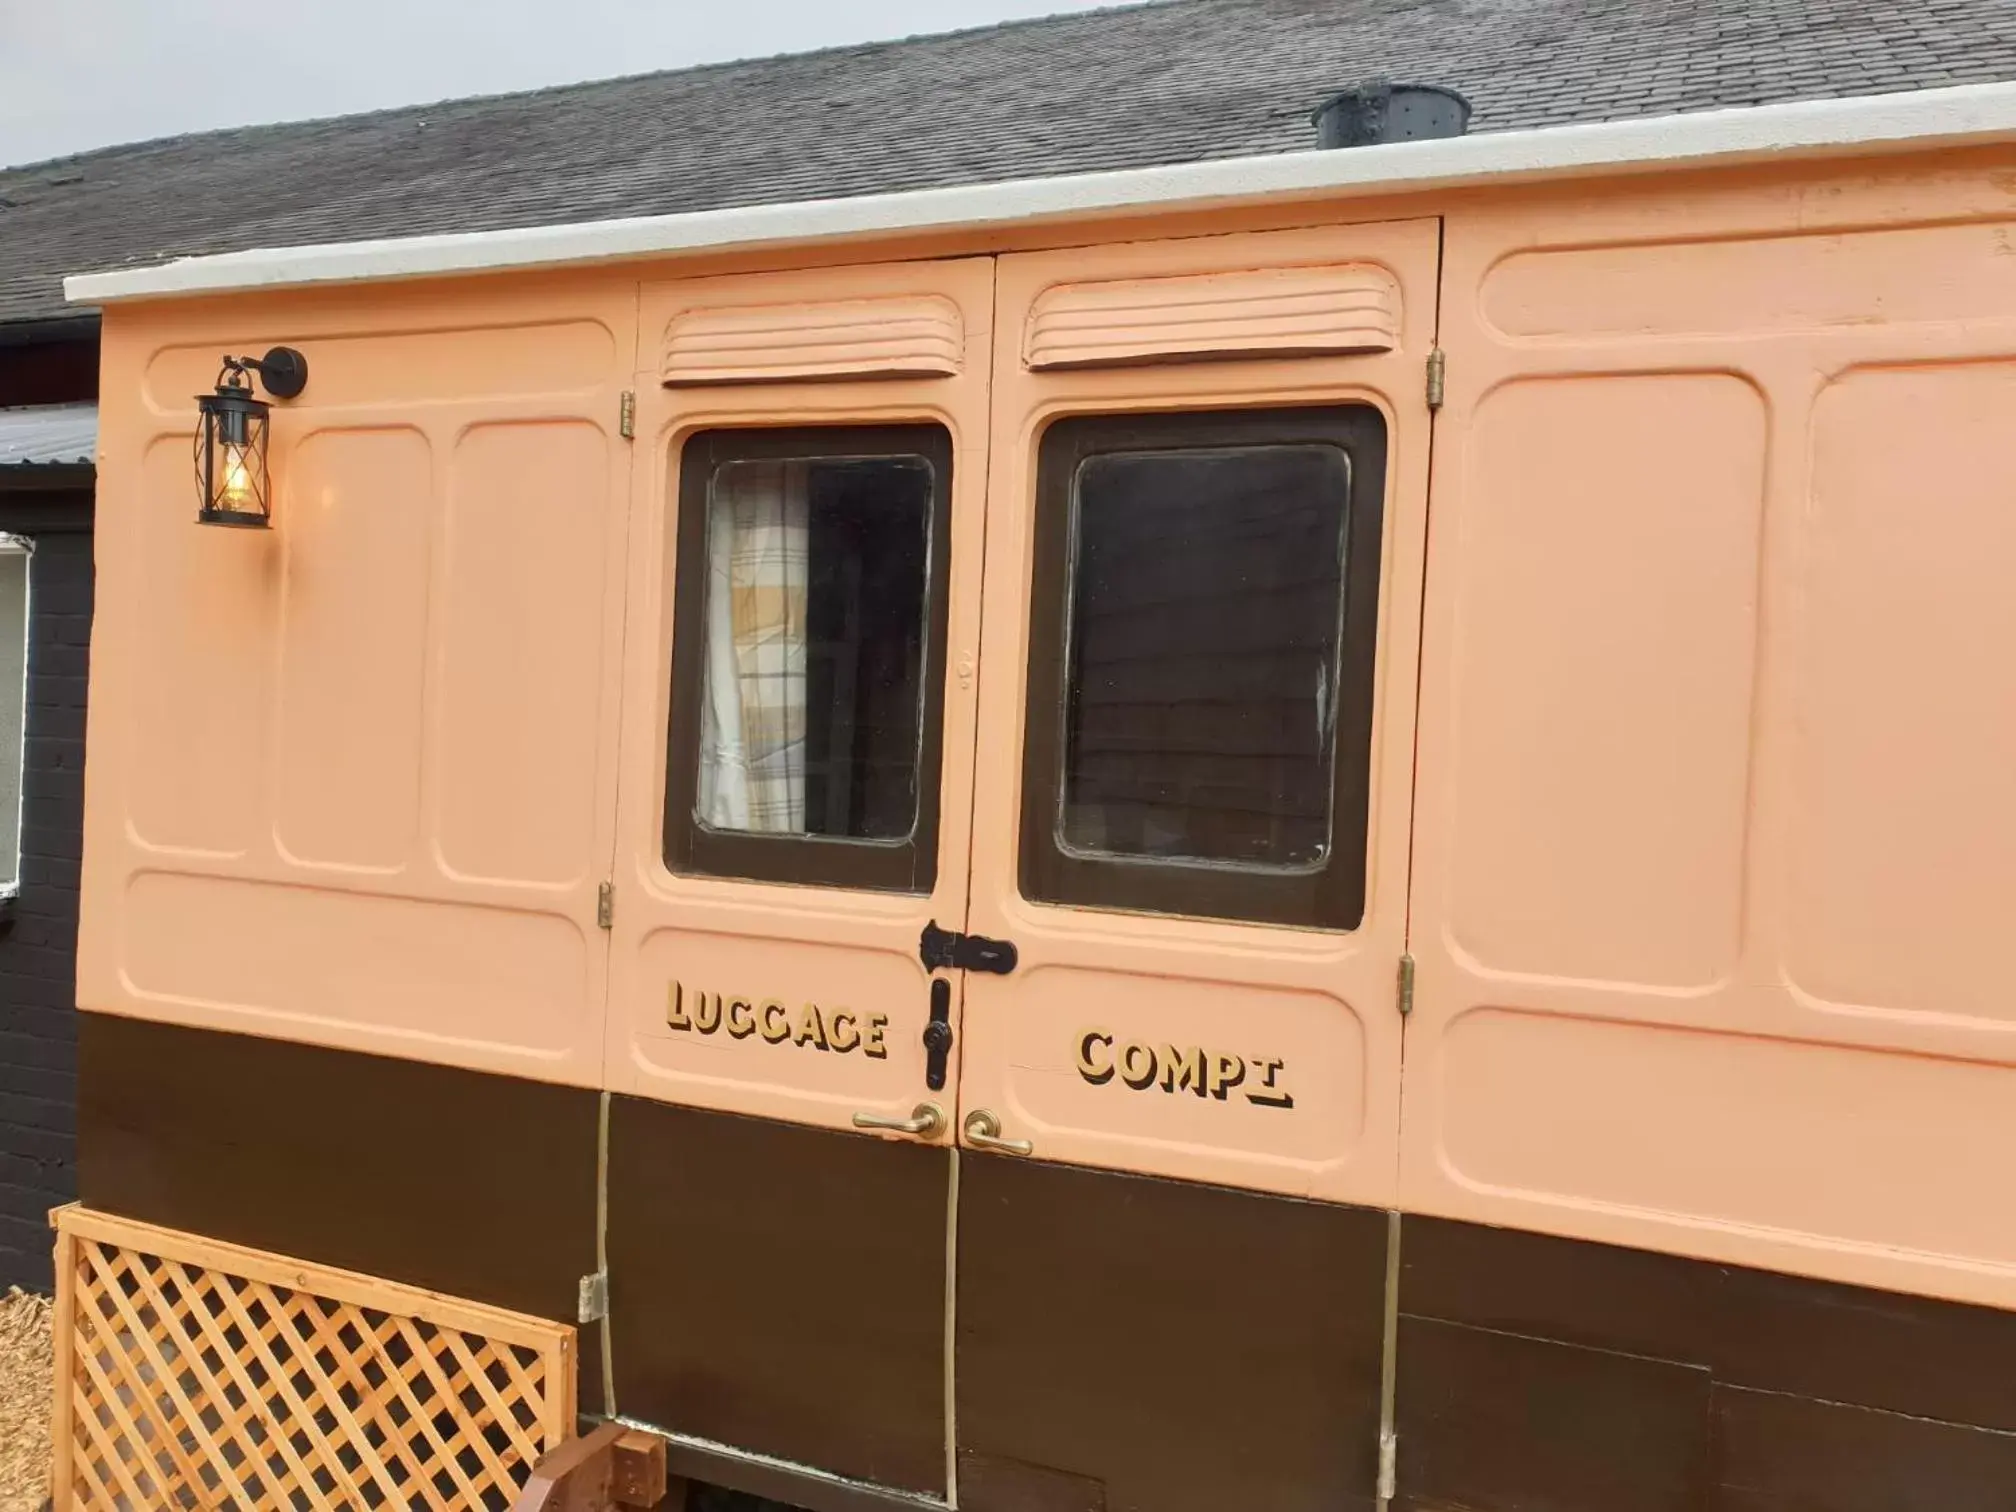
236,492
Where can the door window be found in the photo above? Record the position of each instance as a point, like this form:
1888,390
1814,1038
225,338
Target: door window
1200,692
808,655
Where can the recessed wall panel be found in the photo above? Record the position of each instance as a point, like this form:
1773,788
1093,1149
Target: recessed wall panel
1730,1131
1603,667
1760,285
301,962
376,368
1902,866
356,530
526,543
200,709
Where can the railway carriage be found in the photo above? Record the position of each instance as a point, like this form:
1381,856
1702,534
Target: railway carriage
1312,832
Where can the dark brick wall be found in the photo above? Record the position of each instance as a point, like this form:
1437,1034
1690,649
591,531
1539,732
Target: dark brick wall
38,944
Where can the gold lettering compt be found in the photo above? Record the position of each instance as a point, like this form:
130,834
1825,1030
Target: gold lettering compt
1101,1056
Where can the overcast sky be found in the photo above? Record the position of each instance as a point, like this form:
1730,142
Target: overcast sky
77,74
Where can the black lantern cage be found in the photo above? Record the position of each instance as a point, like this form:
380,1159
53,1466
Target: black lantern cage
233,483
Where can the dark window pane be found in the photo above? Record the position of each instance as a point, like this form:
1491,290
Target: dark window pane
808,655
1200,706
1203,644
811,718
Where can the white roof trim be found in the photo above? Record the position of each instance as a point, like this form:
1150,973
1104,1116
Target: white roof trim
1800,129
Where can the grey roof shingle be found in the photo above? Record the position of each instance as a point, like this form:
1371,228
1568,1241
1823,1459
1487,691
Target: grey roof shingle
1172,82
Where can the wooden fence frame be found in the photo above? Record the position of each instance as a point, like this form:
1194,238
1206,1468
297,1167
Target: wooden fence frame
407,1309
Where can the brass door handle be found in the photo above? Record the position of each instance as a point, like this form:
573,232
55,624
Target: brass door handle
983,1131
925,1119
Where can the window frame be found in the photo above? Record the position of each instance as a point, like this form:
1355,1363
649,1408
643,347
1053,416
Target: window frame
12,545
691,848
1330,896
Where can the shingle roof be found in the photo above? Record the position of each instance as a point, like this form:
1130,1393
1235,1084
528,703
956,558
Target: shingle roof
1173,82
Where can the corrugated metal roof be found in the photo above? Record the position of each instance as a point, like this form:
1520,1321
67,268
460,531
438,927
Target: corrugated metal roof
1181,82
49,435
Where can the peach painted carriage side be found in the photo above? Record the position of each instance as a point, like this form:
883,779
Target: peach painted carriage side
1647,904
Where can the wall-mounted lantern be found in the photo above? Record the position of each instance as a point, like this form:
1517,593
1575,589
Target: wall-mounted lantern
232,487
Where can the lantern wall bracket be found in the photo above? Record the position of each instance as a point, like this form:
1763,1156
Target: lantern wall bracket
283,371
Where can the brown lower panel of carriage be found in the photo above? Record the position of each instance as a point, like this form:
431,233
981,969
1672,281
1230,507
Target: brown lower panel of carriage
468,1184
780,1289
1123,1343
712,1470
1548,1375
1128,1344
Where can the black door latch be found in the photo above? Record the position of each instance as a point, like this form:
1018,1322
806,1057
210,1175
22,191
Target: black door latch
949,950
938,1034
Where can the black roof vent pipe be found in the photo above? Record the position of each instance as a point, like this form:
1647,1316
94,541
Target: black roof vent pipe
1383,112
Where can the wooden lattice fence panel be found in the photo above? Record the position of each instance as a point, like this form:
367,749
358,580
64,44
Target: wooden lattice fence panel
194,1374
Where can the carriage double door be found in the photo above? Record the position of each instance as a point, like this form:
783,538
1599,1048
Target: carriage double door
1019,678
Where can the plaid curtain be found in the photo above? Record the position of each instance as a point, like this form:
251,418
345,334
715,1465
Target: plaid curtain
752,750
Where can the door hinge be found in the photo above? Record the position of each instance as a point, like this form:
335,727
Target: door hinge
949,950
626,414
1389,1466
605,904
1438,365
592,1300
1406,985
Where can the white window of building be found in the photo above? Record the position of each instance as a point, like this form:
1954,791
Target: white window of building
14,554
